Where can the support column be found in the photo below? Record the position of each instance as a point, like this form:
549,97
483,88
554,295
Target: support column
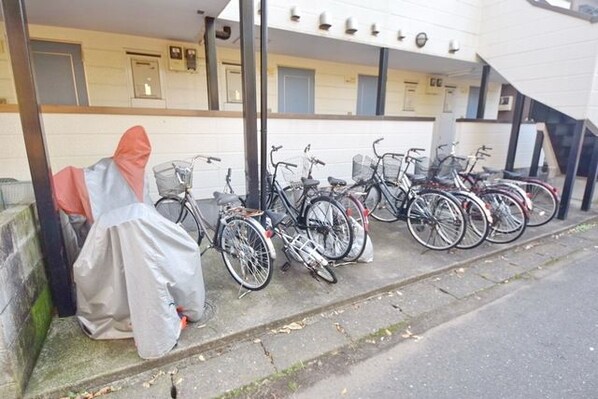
533,169
572,163
249,101
264,104
588,194
483,92
57,269
209,40
515,127
382,77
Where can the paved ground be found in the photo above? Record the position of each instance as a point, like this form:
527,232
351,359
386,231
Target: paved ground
296,318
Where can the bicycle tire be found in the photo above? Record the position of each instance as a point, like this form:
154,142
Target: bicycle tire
477,224
245,252
177,210
326,273
378,205
509,217
437,215
328,226
545,202
357,216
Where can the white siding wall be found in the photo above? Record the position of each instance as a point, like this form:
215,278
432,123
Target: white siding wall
441,20
546,55
472,135
81,140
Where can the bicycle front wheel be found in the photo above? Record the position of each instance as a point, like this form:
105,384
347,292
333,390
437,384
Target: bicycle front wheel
435,220
545,203
379,205
328,226
178,211
355,212
246,253
476,219
509,218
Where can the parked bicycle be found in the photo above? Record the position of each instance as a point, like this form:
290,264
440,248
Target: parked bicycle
321,217
434,218
246,249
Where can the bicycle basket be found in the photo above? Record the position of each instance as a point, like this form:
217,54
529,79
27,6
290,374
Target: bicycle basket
449,166
363,168
422,167
391,166
292,176
166,177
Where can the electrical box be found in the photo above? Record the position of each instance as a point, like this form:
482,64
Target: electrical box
435,85
175,59
191,59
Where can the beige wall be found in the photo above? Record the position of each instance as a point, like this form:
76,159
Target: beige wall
109,83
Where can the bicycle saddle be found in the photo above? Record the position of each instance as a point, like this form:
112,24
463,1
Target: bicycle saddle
309,182
445,181
492,171
336,182
225,198
511,175
275,217
417,179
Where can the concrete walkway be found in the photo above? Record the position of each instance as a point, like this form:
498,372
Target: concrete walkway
71,362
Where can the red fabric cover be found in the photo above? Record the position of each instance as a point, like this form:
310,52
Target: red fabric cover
71,192
131,157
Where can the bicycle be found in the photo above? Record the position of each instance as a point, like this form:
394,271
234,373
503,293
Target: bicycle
434,218
321,217
545,197
355,211
246,249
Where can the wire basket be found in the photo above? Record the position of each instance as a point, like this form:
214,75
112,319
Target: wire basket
391,167
422,167
15,193
450,166
363,168
172,178
292,176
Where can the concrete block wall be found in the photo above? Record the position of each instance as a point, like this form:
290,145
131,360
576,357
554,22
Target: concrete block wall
25,303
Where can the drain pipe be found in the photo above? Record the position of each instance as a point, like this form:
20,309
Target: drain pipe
264,103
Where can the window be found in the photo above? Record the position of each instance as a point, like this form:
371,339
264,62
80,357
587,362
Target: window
146,77
234,85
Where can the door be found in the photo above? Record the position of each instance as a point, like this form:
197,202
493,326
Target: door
59,73
296,90
472,102
367,93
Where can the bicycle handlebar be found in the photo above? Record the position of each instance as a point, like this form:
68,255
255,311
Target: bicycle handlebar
288,164
374,146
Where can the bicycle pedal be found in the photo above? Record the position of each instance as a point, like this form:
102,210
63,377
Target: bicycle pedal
286,266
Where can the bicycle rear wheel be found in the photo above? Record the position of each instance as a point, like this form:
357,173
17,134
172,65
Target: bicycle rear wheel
379,206
178,211
246,253
435,220
328,226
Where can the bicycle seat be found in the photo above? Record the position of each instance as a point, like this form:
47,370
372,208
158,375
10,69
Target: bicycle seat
492,171
225,198
336,182
481,175
511,175
417,179
445,181
275,217
309,182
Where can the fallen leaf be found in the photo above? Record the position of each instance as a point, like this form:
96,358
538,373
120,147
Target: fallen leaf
388,332
344,391
201,358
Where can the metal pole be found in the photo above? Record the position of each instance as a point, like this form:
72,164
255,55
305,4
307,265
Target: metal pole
572,163
533,169
264,103
515,126
382,77
588,194
58,271
483,92
211,63
249,102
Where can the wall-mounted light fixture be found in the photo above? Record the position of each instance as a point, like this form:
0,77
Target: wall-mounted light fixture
454,46
324,21
421,39
375,29
350,26
401,35
295,15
